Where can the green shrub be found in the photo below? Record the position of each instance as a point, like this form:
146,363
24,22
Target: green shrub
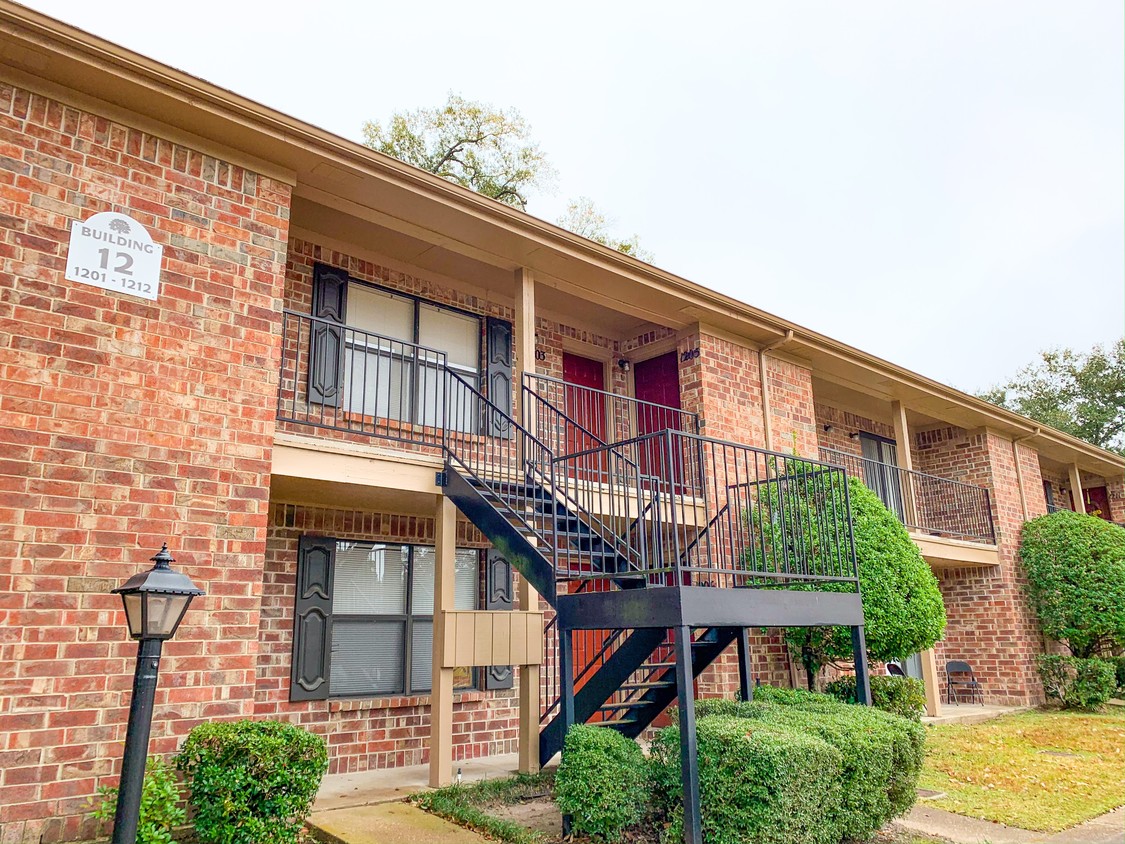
1076,580
787,697
160,804
602,782
251,782
1077,683
902,605
1119,670
903,696
757,782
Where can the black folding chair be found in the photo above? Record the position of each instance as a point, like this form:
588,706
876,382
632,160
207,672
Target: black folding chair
895,670
966,681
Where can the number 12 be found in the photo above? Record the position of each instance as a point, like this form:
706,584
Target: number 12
124,261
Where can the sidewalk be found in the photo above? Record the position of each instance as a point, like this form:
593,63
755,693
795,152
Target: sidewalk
927,820
387,823
384,786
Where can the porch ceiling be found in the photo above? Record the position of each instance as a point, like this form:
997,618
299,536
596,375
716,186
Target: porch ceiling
364,232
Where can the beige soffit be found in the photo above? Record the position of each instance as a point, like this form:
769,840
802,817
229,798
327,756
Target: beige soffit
36,47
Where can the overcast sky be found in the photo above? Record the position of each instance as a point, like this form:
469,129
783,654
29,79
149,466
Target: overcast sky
938,183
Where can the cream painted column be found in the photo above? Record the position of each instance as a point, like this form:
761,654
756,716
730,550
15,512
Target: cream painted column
905,459
931,682
525,334
441,694
528,598
1076,489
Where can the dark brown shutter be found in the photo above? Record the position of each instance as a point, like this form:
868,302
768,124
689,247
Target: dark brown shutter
497,596
312,619
326,342
499,375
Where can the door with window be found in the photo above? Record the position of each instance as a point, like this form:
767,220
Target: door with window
880,471
656,382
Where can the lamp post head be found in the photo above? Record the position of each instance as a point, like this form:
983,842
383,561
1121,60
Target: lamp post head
156,600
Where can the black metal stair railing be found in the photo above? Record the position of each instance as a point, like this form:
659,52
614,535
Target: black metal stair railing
571,417
924,503
730,515
508,465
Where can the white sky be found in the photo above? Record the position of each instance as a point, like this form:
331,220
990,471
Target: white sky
938,183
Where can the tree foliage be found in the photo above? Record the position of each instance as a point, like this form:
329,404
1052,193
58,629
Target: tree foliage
1076,580
902,605
473,144
585,219
1080,393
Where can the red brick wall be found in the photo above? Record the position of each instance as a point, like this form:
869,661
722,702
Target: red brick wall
376,732
989,622
125,423
792,416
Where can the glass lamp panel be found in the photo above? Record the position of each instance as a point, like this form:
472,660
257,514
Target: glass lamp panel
132,601
163,614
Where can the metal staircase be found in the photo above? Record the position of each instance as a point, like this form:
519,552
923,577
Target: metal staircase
704,542
656,547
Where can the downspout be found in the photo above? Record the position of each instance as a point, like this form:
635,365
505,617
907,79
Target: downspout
767,425
1019,472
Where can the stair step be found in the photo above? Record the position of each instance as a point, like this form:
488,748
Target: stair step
629,704
658,684
613,722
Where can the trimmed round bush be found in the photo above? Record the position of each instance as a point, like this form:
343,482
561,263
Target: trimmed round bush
902,696
251,782
602,782
1076,580
1077,683
788,697
758,782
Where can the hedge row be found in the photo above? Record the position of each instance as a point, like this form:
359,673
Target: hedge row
792,766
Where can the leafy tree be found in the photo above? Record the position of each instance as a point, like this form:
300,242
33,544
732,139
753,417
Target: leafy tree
1076,580
585,219
476,145
902,605
1080,393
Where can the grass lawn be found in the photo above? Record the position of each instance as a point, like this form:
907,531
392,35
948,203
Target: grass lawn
999,770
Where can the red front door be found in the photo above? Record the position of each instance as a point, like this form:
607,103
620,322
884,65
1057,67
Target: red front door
657,380
1096,499
586,408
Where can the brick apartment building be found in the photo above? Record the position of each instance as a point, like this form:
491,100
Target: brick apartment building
280,414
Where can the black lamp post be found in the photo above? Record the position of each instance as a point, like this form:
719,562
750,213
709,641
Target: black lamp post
155,603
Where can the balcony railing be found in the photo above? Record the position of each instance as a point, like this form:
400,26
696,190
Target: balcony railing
570,417
924,503
710,513
342,378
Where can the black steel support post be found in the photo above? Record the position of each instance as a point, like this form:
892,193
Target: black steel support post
862,679
566,691
127,816
689,767
745,680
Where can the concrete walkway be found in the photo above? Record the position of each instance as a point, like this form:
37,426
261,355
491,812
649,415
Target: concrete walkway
926,820
964,713
368,788
388,823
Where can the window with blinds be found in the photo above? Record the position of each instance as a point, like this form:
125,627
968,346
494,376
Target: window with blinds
389,377
382,617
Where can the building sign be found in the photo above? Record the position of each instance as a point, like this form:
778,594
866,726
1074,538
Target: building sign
114,252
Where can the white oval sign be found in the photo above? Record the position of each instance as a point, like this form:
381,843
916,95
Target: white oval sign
115,252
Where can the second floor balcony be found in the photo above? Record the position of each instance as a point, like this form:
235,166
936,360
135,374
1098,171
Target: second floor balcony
927,504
